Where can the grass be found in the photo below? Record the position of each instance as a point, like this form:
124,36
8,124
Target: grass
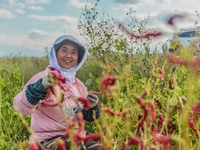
132,79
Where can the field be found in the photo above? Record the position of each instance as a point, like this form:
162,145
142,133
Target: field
150,98
142,103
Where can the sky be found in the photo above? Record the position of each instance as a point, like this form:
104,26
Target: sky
27,27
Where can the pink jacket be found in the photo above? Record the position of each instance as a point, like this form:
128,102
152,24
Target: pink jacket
48,121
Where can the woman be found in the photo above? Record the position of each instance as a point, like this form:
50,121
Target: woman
67,55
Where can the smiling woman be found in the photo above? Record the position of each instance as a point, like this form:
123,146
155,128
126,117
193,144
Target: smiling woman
66,57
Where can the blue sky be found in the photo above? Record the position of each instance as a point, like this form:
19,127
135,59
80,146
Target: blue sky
28,26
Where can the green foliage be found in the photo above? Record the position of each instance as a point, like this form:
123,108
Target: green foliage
29,65
135,69
173,45
12,129
132,78
90,73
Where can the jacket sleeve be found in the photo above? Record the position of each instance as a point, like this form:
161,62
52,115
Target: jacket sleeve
91,114
35,92
26,101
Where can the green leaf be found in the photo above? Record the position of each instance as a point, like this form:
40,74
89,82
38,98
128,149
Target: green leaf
173,45
2,141
88,82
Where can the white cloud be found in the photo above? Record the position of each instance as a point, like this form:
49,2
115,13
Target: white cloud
160,13
20,5
24,41
35,8
11,2
78,4
127,1
37,1
7,4
34,40
138,5
35,34
6,14
64,23
20,11
57,19
135,2
125,7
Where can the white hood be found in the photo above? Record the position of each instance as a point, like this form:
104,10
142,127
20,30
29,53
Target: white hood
69,74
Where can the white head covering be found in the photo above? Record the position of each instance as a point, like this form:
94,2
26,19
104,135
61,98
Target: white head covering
69,74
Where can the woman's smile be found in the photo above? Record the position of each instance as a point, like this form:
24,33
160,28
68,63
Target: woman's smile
67,55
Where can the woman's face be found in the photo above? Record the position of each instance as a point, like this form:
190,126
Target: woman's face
67,55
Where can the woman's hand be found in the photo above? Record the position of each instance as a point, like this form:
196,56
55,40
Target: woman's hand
94,100
46,83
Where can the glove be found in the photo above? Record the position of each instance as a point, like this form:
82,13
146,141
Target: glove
94,100
46,83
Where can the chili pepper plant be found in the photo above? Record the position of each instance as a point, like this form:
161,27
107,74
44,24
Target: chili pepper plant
148,100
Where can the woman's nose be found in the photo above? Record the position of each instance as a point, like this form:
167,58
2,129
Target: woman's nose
68,54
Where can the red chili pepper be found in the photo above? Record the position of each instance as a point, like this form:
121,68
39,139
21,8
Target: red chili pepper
152,111
52,91
195,62
160,121
69,127
106,82
177,61
87,137
132,35
144,109
121,114
52,69
85,102
145,114
142,96
97,93
151,34
122,146
80,121
140,116
139,100
161,74
59,76
170,21
171,126
192,125
134,141
110,111
158,102
170,84
196,108
33,146
154,34
161,138
60,84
